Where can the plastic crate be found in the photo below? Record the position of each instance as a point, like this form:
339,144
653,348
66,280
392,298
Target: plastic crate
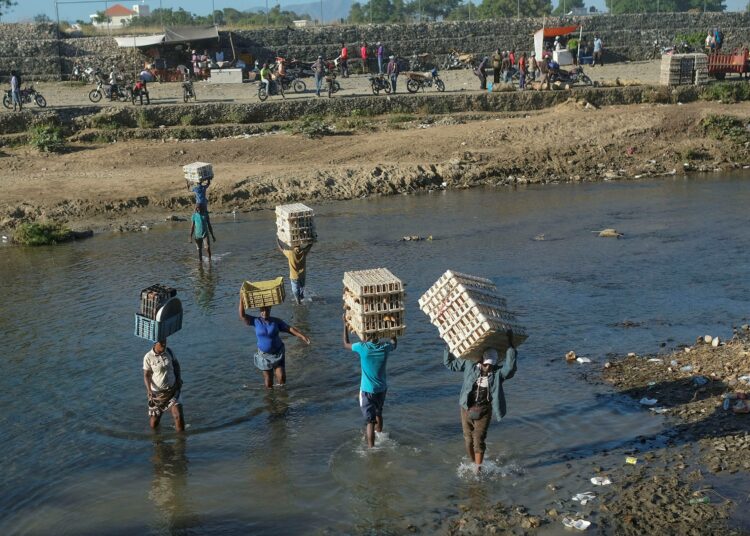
198,171
470,315
153,298
263,293
295,224
153,330
374,303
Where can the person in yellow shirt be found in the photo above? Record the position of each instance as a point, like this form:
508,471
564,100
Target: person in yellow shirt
297,257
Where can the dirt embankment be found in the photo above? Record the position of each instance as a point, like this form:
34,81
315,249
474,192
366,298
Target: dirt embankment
675,486
124,184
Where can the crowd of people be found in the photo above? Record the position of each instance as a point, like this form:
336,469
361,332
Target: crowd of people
481,396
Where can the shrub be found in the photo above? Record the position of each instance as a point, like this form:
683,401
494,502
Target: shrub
725,127
312,126
189,119
726,92
41,234
47,138
697,40
143,120
400,118
362,112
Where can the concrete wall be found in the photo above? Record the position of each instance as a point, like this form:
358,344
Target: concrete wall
38,53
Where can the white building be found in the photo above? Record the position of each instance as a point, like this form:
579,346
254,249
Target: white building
118,16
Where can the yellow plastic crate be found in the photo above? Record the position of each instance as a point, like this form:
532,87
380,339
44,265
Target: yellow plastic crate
262,293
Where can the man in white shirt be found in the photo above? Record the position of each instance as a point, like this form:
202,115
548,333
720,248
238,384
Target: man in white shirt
163,380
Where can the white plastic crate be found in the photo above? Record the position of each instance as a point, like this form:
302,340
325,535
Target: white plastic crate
198,171
295,224
374,303
470,315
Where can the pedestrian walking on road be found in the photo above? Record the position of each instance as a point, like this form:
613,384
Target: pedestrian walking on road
533,67
392,71
363,53
482,395
319,70
598,51
380,51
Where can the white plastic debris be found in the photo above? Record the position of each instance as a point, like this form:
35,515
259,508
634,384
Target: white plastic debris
745,378
707,339
584,497
659,410
648,401
715,342
686,368
583,360
655,360
600,481
579,524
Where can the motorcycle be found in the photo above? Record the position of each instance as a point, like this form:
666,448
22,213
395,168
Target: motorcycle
140,90
292,82
457,60
188,91
379,82
274,88
419,81
571,77
332,86
121,93
28,95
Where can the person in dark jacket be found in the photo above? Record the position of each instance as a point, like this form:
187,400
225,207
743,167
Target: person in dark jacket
481,72
482,394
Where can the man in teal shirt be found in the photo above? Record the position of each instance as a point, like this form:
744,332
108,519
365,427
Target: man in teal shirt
373,357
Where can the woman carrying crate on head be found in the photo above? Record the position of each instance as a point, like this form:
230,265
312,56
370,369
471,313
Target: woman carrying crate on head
271,354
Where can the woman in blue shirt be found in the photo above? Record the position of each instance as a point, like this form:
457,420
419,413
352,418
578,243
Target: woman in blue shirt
271,352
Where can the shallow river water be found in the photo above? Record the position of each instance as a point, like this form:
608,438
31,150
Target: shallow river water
77,454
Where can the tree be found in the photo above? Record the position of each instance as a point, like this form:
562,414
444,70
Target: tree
379,11
649,6
566,5
42,18
101,18
465,11
432,9
490,9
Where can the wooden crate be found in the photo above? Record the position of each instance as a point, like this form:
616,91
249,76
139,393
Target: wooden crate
295,224
374,303
470,315
198,171
262,293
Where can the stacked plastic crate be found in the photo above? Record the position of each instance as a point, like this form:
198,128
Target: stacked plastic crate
197,172
160,313
295,224
374,303
262,293
470,315
683,69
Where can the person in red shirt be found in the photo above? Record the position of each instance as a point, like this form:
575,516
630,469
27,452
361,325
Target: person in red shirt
363,52
343,58
512,58
522,69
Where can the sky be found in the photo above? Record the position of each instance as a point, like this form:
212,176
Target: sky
26,9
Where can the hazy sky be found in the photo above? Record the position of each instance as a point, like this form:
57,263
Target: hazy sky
26,9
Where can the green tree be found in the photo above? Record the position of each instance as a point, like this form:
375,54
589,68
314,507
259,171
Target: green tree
566,5
490,9
101,18
379,11
649,6
42,18
432,9
465,11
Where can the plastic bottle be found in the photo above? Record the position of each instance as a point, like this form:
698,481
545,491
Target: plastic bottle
700,500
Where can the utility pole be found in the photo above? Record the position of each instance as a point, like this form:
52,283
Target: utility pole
518,9
266,12
321,12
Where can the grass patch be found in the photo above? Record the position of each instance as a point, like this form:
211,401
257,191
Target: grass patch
238,115
725,128
104,122
726,92
695,154
658,95
189,120
362,112
312,126
41,234
143,120
400,118
47,138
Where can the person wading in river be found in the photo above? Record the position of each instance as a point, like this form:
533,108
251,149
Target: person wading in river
161,374
270,358
373,358
200,226
297,257
482,395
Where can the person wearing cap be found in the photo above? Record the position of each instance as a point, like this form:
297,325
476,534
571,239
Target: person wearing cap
319,69
161,374
482,394
392,71
380,52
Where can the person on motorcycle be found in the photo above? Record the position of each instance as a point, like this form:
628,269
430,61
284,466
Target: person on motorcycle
265,77
392,71
319,69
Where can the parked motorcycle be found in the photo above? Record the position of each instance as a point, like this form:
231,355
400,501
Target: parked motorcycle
379,82
457,60
121,93
571,77
332,86
188,91
28,95
140,91
417,81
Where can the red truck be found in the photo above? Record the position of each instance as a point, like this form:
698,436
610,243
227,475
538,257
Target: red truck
719,65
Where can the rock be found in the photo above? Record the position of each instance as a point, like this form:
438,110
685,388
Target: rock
552,512
715,342
707,339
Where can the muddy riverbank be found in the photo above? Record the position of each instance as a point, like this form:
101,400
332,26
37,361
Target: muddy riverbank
127,184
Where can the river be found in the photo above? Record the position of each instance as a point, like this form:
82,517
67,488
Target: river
78,457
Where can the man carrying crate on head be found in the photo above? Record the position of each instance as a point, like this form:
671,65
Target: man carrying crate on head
373,356
297,257
161,374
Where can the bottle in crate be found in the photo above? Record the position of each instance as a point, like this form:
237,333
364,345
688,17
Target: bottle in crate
153,298
374,303
470,315
295,224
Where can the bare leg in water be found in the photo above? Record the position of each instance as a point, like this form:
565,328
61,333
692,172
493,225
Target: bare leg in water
377,426
280,373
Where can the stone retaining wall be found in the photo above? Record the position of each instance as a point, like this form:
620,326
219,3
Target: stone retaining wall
40,54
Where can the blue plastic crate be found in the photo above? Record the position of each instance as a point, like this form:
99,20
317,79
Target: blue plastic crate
153,330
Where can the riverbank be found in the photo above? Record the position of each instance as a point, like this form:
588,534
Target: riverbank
683,481
127,184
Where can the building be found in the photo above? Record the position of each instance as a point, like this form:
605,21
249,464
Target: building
118,16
